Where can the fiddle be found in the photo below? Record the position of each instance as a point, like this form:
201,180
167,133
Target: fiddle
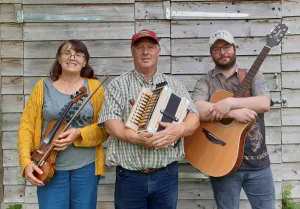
45,156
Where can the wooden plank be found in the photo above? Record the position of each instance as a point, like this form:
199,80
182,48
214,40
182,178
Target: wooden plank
10,158
12,85
13,176
7,13
14,193
275,153
291,44
290,62
149,10
273,118
11,121
276,171
12,103
1,139
290,116
108,12
255,9
201,65
291,80
290,171
12,67
274,82
199,47
238,28
292,97
29,83
11,1
101,66
290,8
76,1
160,27
293,24
12,49
290,153
10,140
99,48
66,31
11,32
273,135
290,134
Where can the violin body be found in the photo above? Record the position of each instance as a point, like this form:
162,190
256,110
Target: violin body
45,156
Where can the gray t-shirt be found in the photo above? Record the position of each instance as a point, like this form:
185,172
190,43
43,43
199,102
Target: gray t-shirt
54,102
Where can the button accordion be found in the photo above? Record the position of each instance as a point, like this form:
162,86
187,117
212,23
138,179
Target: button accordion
154,106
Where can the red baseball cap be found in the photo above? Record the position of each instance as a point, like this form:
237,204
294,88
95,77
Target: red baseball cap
144,34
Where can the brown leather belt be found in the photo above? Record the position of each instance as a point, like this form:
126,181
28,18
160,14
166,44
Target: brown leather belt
149,171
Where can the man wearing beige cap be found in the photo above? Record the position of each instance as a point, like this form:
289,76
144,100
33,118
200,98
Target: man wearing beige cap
146,163
254,174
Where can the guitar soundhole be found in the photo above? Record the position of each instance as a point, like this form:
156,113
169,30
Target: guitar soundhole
226,121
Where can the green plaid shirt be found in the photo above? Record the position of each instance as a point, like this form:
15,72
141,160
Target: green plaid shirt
116,105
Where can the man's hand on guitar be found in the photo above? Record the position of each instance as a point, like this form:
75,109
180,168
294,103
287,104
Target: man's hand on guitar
168,136
243,115
30,169
221,108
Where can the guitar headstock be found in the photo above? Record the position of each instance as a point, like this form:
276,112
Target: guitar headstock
274,38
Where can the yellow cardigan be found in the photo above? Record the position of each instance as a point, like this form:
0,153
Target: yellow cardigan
30,129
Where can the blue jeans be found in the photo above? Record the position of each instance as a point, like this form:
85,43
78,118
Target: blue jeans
74,189
258,186
136,190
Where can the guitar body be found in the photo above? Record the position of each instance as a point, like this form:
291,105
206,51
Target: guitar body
217,148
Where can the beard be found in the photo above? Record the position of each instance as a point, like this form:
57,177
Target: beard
225,66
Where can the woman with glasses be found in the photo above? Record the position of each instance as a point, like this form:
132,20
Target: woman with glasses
80,159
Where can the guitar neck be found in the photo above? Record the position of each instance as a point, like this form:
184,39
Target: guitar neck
247,82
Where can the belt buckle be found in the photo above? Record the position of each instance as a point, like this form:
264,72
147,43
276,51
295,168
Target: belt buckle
149,171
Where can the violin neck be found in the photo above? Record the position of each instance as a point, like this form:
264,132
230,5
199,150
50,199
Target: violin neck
53,131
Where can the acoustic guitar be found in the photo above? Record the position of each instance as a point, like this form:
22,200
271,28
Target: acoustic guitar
217,148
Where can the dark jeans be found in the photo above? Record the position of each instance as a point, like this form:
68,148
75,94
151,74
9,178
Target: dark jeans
136,190
258,186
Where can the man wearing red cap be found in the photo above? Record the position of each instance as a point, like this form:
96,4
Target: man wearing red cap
146,163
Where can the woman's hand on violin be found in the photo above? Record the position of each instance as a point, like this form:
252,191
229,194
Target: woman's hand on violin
66,138
29,170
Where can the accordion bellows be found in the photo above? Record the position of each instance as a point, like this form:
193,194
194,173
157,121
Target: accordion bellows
153,106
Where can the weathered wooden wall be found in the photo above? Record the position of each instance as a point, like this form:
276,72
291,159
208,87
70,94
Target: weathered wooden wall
28,50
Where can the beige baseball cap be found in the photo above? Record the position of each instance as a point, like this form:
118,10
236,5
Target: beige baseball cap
221,35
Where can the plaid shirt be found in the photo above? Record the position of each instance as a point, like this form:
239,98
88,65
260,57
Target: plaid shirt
116,105
255,154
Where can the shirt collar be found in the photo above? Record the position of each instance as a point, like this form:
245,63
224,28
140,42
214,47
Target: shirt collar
141,78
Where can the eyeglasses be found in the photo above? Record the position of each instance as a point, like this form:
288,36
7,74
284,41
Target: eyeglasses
217,50
68,55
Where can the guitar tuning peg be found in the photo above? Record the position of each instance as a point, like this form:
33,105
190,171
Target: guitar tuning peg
72,97
77,92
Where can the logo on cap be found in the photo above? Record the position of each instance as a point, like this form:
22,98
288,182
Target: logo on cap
144,34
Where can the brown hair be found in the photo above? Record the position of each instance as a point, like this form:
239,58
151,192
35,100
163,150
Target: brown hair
78,46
